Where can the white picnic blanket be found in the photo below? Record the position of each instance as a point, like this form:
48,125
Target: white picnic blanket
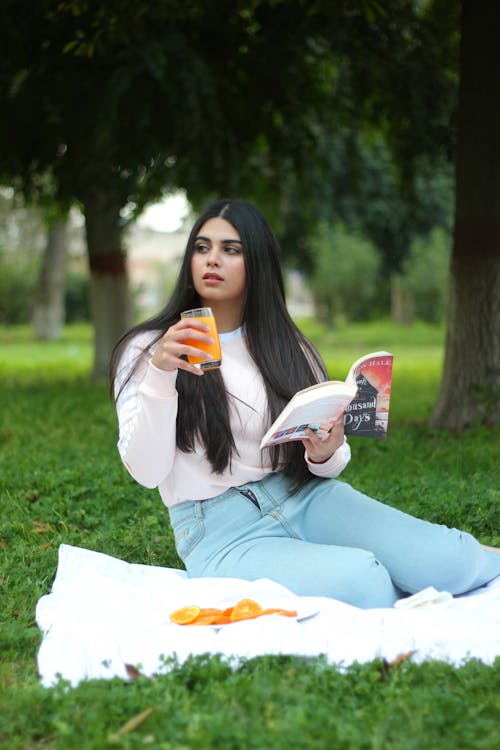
104,613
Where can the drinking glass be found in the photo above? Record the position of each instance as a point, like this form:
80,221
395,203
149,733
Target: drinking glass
205,315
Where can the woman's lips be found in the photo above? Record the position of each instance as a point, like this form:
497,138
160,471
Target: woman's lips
212,279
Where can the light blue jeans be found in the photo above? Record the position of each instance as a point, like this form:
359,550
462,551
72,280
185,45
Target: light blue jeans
327,540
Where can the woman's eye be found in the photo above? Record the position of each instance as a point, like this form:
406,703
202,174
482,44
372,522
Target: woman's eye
201,248
232,250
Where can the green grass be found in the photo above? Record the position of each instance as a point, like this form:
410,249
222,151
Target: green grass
62,482
20,355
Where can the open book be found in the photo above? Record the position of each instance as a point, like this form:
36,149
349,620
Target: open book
363,397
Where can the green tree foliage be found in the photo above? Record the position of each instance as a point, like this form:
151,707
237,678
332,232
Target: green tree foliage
77,297
18,277
135,98
141,96
425,276
365,191
21,230
399,71
344,281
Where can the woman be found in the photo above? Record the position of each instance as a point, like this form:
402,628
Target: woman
238,511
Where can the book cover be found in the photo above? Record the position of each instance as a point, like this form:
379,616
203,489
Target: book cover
367,415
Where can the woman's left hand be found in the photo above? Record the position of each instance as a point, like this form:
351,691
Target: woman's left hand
322,447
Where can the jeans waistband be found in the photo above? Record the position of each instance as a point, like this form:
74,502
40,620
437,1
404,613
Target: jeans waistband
188,507
266,494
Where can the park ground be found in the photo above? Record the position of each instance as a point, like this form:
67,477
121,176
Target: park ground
62,482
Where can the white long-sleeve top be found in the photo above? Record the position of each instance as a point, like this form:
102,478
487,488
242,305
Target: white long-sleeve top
147,412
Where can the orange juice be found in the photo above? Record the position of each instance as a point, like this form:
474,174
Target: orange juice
205,315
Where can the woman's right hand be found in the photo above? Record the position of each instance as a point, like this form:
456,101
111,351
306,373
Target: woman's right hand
171,347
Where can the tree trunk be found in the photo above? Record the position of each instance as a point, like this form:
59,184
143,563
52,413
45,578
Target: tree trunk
109,300
402,303
49,308
470,388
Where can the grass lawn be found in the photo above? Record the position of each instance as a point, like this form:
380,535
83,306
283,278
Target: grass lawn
61,481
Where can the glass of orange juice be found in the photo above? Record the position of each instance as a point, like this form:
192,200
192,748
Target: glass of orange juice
205,315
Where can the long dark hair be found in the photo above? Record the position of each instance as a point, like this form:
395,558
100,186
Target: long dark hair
285,358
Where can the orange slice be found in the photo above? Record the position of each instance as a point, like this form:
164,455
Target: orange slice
222,620
207,616
204,620
185,615
209,612
245,609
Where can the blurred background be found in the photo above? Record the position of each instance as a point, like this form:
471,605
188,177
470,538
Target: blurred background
366,134
344,283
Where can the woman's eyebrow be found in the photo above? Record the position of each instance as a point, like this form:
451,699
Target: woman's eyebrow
224,242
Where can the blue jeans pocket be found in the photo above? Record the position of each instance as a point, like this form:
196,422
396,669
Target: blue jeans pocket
188,531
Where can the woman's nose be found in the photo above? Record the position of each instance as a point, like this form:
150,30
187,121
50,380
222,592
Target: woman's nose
213,257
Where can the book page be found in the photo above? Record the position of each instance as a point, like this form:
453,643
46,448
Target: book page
316,415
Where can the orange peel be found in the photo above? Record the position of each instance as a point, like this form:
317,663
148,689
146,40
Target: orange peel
278,611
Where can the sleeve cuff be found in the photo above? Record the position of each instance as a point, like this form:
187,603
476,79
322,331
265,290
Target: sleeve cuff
335,464
159,383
